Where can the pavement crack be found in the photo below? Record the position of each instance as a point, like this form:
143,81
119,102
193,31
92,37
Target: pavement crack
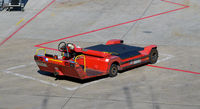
69,99
133,25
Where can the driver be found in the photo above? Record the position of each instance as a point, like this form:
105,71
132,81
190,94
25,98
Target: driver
67,49
70,53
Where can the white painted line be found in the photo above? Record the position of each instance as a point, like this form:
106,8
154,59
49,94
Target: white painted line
31,78
70,89
43,81
168,56
87,84
19,66
15,67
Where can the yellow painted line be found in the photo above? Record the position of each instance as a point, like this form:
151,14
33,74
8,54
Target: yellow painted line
20,21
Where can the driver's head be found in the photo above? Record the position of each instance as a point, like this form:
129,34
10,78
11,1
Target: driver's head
71,46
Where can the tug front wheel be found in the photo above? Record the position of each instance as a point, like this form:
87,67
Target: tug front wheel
113,70
153,57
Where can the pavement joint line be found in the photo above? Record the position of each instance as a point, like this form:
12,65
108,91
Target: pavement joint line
69,98
8,71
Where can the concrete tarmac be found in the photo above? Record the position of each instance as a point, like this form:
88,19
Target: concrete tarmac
176,33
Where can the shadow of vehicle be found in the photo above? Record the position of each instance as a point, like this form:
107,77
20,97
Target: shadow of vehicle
134,67
83,81
71,78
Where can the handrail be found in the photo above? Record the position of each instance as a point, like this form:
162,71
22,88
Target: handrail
39,50
84,61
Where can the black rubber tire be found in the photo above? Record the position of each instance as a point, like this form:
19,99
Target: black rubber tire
113,70
153,56
56,74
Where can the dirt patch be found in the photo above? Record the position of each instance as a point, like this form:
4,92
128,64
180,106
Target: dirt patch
192,4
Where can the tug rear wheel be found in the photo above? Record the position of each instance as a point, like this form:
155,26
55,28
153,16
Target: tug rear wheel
113,70
153,57
55,74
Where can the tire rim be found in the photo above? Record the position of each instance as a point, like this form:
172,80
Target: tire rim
114,70
154,56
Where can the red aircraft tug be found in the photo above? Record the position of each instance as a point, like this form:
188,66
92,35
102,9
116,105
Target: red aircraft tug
95,60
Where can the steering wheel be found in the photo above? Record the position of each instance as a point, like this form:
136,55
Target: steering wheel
62,46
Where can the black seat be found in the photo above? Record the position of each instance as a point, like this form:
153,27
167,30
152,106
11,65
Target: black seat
121,50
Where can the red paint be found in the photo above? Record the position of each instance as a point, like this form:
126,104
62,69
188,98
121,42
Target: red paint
173,69
26,23
174,3
114,41
184,6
